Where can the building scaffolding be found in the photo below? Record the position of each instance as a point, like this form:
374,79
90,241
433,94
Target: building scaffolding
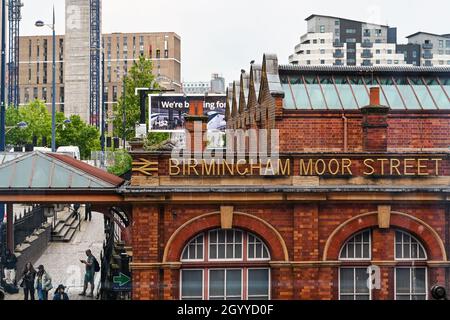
95,61
14,17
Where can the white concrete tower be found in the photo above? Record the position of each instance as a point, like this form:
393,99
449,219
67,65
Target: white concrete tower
77,59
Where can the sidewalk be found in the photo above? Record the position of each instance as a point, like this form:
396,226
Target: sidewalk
62,260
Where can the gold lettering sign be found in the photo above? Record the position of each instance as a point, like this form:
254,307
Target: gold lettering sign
305,167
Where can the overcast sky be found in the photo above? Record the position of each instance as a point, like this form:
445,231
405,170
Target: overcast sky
224,36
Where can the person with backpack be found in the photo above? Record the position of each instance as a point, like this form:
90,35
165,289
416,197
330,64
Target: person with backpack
92,267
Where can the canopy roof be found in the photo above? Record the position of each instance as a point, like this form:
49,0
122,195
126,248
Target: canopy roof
53,171
338,88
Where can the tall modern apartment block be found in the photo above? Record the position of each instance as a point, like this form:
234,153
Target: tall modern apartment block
121,51
338,41
434,49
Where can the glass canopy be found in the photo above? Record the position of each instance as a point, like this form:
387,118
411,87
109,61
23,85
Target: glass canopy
343,92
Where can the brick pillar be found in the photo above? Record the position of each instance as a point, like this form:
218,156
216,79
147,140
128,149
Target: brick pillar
145,239
171,284
306,248
282,282
197,126
375,125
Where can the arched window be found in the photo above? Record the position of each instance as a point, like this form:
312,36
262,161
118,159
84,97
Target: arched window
354,281
410,280
357,247
225,265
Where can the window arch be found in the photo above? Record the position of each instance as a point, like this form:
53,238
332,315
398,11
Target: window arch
411,281
358,247
354,281
407,247
225,265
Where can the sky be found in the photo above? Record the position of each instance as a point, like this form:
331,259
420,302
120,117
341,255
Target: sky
224,36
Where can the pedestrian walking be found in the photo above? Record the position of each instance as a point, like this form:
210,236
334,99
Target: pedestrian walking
92,267
27,282
60,293
43,283
10,263
88,212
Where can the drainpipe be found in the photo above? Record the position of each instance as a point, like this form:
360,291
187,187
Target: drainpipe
345,132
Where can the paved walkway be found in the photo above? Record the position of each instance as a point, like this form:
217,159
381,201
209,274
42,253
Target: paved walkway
62,260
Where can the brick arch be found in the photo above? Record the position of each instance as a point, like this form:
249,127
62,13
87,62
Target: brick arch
421,230
268,234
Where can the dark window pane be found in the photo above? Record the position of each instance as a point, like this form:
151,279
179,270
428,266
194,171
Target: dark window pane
403,280
217,283
346,280
258,282
361,277
234,283
192,284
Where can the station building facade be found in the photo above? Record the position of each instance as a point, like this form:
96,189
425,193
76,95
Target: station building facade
358,208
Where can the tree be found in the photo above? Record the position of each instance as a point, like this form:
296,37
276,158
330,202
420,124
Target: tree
38,120
78,133
39,125
139,76
122,163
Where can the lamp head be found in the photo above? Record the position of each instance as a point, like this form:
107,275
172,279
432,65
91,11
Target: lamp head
39,24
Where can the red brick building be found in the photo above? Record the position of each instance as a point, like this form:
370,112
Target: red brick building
364,189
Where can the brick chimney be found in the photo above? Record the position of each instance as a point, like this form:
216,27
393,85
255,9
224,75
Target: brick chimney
197,126
375,124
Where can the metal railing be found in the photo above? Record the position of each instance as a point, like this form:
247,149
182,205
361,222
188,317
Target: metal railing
25,225
366,45
427,46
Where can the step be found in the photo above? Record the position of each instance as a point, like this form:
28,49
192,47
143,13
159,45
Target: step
69,235
70,221
59,226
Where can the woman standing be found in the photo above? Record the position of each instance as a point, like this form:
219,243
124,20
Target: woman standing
43,283
28,277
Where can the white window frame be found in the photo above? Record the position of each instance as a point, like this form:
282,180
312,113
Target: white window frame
410,282
181,284
410,251
353,236
269,284
225,282
354,283
225,259
187,248
264,247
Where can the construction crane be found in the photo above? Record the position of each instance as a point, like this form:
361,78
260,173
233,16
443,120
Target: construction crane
95,61
14,17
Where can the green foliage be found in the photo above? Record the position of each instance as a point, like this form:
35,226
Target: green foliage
139,76
123,163
78,133
156,140
39,120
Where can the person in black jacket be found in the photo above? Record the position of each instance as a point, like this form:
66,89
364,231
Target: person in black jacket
28,277
60,293
10,263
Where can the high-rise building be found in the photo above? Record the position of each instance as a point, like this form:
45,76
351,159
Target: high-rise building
337,41
121,51
434,49
77,59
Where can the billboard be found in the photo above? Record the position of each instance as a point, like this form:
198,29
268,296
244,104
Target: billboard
168,111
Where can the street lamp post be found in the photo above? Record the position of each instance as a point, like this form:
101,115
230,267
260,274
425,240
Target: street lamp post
52,26
2,121
124,113
3,82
